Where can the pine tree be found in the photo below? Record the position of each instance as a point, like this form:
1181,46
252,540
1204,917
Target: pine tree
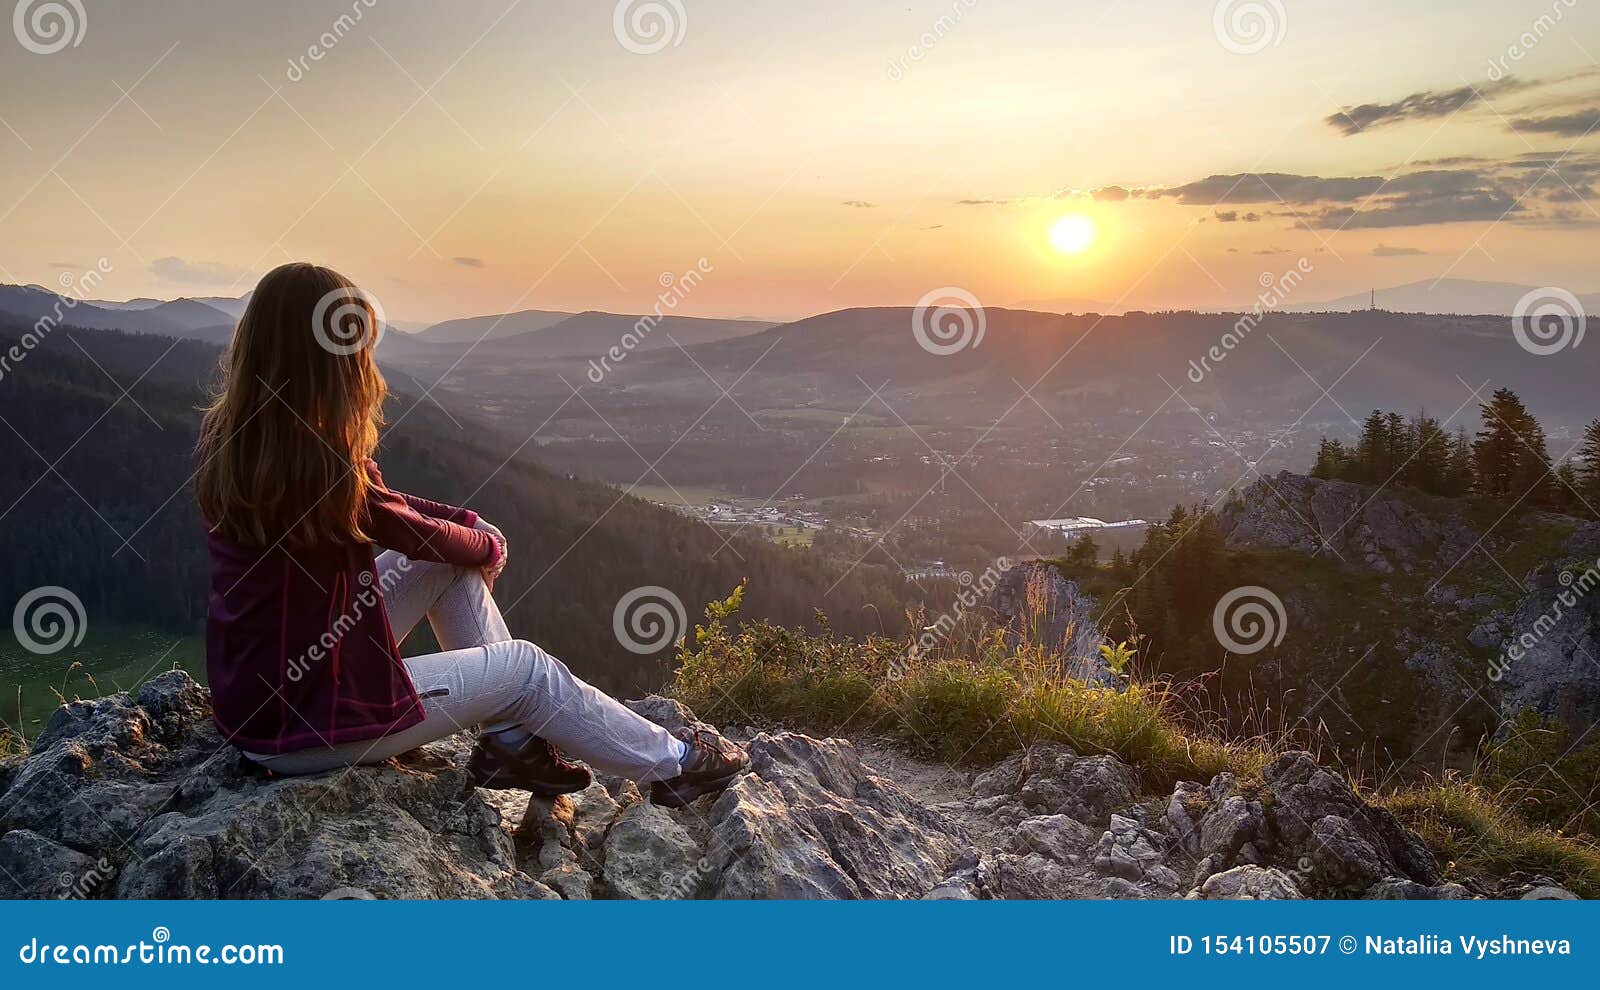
1401,443
1333,460
1588,473
1534,477
1428,467
1459,474
1497,454
1564,496
1372,450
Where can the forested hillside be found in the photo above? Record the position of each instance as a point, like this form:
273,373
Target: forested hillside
95,497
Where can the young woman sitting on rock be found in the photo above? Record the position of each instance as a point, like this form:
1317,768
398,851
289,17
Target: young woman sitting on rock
319,570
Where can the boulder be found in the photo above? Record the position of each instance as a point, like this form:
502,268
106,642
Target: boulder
1249,883
651,855
1349,843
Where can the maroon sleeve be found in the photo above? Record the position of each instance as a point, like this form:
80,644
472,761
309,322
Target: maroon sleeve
395,523
427,506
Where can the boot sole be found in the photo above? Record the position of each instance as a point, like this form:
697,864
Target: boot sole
666,795
499,779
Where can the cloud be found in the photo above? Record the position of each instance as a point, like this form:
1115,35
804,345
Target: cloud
1385,251
937,226
1268,187
1498,190
181,272
1426,105
1576,125
860,204
983,202
1110,194
1271,251
1544,116
469,262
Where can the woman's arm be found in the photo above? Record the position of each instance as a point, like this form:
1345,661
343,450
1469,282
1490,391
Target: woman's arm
427,506
394,523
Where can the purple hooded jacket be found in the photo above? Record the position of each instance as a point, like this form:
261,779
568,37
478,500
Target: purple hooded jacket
299,651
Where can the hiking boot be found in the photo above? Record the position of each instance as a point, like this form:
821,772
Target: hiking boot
531,764
711,765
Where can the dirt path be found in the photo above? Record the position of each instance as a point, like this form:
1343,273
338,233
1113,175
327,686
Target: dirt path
946,789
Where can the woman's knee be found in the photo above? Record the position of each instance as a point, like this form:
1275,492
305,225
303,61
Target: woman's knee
540,669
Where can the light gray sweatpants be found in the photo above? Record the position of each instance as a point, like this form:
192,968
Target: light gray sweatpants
486,678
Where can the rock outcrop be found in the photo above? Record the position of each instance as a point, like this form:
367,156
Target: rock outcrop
1314,515
1549,645
137,797
1034,601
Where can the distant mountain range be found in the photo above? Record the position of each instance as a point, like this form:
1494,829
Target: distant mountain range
1450,297
1083,368
473,328
189,318
518,364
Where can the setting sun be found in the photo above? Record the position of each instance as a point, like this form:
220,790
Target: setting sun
1073,234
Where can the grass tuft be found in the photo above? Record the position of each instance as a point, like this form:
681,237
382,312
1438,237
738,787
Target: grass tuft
978,695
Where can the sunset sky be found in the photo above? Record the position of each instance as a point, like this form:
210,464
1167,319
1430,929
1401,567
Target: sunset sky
475,157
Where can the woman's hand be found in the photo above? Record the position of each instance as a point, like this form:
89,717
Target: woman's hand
492,574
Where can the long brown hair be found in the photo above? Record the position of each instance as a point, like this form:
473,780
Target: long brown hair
284,443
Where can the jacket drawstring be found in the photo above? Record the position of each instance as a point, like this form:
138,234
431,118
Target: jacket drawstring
338,605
